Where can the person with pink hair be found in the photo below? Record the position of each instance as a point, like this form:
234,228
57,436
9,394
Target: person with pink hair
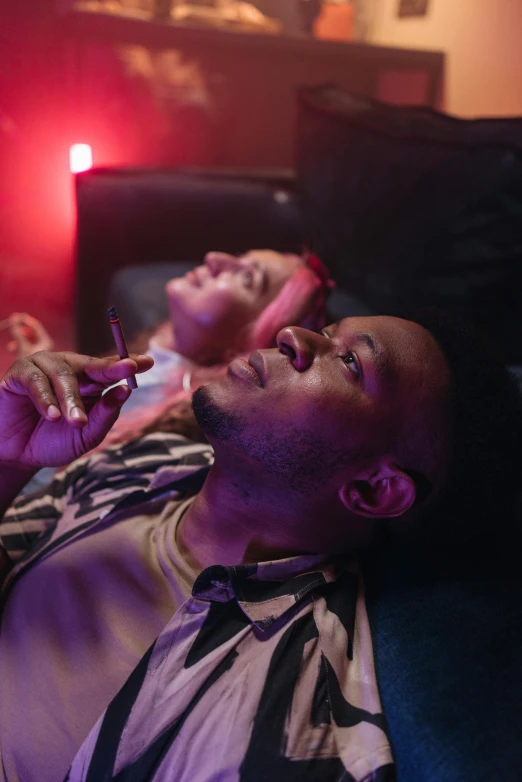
224,308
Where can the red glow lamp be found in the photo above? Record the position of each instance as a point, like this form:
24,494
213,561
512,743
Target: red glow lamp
80,158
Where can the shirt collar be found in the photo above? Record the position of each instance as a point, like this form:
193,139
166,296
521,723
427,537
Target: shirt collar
267,590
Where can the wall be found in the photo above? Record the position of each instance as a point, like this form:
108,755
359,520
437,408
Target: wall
483,44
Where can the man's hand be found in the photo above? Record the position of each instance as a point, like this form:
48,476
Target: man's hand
51,406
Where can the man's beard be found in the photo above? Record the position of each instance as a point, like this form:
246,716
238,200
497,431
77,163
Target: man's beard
295,458
215,421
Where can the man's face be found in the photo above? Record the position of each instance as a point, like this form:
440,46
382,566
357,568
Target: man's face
324,403
228,293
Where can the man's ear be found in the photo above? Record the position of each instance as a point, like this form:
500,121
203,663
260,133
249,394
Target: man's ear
386,493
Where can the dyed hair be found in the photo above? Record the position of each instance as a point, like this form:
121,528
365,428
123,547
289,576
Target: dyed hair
301,302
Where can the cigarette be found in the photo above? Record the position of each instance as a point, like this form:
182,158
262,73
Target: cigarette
119,339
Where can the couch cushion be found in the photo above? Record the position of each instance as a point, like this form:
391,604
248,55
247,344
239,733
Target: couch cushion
447,639
411,208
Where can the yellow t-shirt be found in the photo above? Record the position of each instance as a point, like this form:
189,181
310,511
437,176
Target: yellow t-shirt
75,625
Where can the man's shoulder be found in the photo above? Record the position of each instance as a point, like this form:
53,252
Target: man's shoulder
145,464
119,478
148,453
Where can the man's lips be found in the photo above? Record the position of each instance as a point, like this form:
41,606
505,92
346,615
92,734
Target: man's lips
257,362
244,371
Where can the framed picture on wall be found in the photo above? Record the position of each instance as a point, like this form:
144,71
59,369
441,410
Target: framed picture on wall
413,7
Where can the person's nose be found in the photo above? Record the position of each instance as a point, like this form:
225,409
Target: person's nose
300,345
219,262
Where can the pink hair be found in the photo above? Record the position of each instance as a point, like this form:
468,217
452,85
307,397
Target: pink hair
301,302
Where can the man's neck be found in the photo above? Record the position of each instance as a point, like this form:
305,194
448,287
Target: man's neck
225,525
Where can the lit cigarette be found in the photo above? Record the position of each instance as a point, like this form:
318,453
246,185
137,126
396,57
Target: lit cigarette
119,339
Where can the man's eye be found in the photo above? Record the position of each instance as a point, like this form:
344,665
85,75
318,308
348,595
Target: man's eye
350,361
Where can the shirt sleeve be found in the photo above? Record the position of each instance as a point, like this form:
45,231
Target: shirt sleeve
105,475
32,515
35,514
113,471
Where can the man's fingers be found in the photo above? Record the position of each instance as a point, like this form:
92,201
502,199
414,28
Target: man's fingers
64,382
107,371
103,416
24,377
55,381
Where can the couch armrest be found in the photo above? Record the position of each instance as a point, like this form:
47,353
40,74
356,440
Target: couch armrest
140,216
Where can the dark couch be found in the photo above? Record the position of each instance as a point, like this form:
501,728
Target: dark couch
408,207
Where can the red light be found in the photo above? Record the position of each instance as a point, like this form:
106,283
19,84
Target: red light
80,158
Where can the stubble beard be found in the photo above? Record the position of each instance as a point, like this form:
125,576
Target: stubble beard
215,422
297,460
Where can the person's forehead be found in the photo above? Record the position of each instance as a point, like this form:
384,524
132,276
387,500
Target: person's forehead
402,344
387,330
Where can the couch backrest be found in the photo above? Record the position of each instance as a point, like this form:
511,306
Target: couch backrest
412,208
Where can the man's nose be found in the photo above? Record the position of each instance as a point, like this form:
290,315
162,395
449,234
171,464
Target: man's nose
218,262
300,345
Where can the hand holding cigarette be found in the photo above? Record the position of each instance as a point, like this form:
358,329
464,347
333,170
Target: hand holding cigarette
55,407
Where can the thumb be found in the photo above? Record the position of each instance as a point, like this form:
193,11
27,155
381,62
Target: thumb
104,415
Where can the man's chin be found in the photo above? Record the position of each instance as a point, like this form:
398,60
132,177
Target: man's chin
216,422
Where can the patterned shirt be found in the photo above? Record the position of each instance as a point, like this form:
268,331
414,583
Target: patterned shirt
97,586
91,488
265,673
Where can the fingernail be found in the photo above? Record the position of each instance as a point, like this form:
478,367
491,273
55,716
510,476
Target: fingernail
53,412
77,414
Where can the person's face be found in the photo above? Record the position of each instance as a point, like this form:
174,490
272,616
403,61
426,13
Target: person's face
324,404
228,293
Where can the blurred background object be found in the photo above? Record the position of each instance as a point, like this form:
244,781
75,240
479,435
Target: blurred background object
309,12
336,20
412,7
143,88
223,14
